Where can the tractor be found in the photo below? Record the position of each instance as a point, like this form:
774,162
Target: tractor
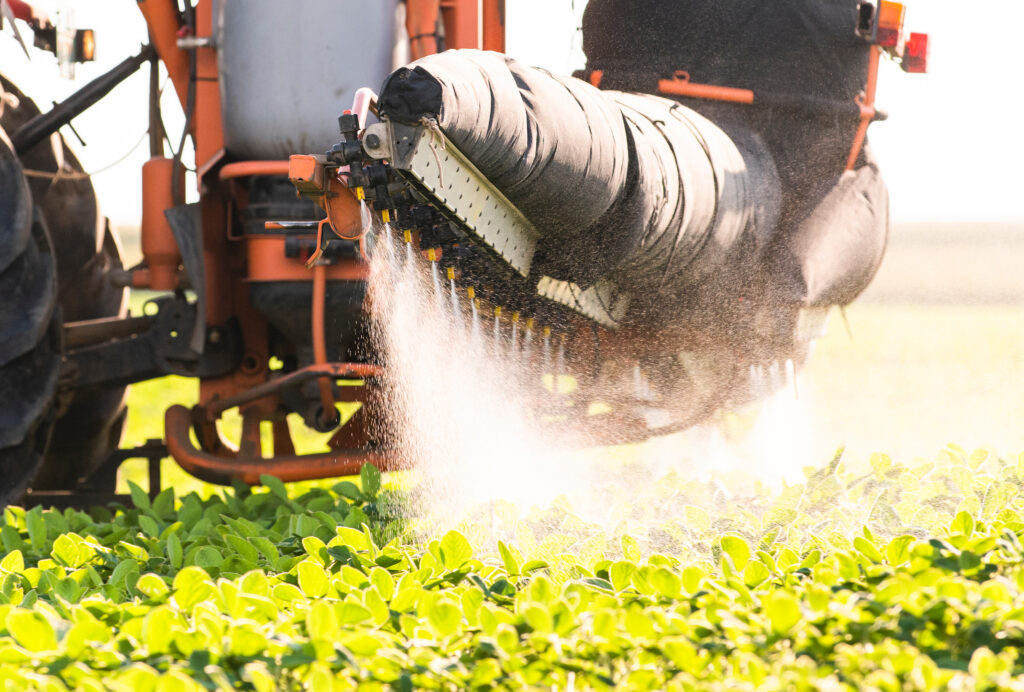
684,211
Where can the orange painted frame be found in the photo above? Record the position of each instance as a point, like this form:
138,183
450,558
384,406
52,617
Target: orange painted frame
476,24
468,24
680,85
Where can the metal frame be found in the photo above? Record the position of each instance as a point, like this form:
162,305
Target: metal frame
99,488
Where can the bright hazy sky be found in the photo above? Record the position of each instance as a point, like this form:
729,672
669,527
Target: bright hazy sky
952,149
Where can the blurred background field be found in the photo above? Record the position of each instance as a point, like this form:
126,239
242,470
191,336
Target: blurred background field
934,354
937,348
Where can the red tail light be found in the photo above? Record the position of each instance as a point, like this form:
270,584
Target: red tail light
915,53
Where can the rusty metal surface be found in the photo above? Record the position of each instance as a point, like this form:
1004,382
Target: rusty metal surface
248,469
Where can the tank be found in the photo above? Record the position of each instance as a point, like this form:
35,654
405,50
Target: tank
281,86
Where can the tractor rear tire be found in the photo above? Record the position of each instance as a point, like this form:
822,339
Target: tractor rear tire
84,249
30,331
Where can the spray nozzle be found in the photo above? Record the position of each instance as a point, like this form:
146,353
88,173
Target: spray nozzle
348,125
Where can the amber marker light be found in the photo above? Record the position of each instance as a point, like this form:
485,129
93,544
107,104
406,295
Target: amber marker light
889,27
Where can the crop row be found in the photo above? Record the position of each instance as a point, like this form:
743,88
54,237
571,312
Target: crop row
327,587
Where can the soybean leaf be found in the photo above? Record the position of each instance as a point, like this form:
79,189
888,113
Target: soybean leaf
737,550
191,585
175,555
455,550
511,564
963,523
13,561
621,575
349,490
898,550
140,498
369,477
312,579
31,630
36,527
276,487
783,611
444,616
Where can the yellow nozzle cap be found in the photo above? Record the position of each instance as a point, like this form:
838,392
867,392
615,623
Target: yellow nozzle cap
360,193
515,317
529,323
497,311
432,255
385,215
547,331
451,273
407,236
471,292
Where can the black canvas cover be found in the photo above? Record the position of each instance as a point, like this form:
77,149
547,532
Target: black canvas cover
830,256
789,46
793,48
533,134
630,187
833,225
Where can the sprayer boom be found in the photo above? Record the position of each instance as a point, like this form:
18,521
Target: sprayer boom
447,181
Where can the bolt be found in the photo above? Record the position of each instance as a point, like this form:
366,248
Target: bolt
372,141
214,336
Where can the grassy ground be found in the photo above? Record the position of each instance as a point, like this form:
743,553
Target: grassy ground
937,348
937,353
916,377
